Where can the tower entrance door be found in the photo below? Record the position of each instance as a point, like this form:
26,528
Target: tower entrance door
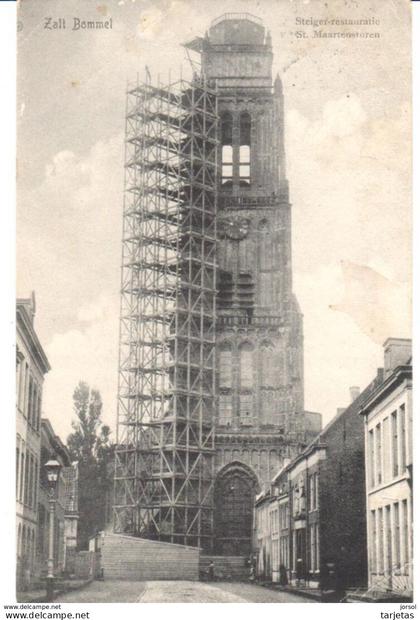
235,490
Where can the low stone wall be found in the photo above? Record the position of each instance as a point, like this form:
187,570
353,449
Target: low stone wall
127,557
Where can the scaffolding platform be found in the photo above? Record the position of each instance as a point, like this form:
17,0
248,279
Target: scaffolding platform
164,463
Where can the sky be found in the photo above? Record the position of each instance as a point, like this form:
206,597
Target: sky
347,106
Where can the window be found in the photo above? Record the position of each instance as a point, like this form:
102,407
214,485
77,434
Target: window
397,535
36,476
19,384
245,128
225,367
386,444
371,454
402,438
266,406
394,431
245,409
405,537
236,150
225,409
380,564
312,547
373,568
311,492
244,165
31,481
284,551
315,502
227,148
267,368
378,454
274,522
388,541
244,149
26,489
34,404
275,552
31,402
25,391
22,474
38,420
316,528
227,164
246,366
227,127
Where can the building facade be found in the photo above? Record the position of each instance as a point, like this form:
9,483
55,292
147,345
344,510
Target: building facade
31,367
66,504
260,418
387,415
311,526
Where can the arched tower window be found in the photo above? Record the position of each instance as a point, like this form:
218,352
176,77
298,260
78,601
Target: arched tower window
225,366
245,148
225,384
227,148
246,366
267,365
267,383
246,396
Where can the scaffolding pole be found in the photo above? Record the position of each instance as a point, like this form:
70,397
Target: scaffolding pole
164,462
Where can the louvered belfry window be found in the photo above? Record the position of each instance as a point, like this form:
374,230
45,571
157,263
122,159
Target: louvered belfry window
227,148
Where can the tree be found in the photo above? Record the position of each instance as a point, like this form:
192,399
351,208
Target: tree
89,444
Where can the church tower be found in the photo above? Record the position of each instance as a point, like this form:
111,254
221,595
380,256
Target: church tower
210,390
260,418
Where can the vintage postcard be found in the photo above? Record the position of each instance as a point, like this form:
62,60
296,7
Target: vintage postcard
213,314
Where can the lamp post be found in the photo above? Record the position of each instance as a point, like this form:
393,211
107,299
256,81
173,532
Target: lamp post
52,467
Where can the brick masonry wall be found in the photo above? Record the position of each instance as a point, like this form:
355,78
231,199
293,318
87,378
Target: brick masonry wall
342,498
136,559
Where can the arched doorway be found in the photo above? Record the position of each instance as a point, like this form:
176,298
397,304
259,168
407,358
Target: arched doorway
235,490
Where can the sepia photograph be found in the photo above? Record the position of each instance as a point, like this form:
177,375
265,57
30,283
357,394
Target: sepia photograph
213,302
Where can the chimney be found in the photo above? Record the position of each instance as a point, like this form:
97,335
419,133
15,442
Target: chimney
397,352
354,393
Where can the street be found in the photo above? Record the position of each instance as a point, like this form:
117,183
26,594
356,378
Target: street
177,592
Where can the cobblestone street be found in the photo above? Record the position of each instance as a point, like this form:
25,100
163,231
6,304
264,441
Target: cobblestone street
177,592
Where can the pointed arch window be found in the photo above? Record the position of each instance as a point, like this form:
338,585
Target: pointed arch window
225,366
227,148
245,148
225,410
267,365
246,366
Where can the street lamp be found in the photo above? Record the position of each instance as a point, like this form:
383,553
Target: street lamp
52,468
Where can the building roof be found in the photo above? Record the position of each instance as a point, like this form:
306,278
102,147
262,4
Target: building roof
397,376
237,17
25,312
54,441
318,443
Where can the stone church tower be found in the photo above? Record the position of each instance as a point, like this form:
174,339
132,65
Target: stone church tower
260,419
